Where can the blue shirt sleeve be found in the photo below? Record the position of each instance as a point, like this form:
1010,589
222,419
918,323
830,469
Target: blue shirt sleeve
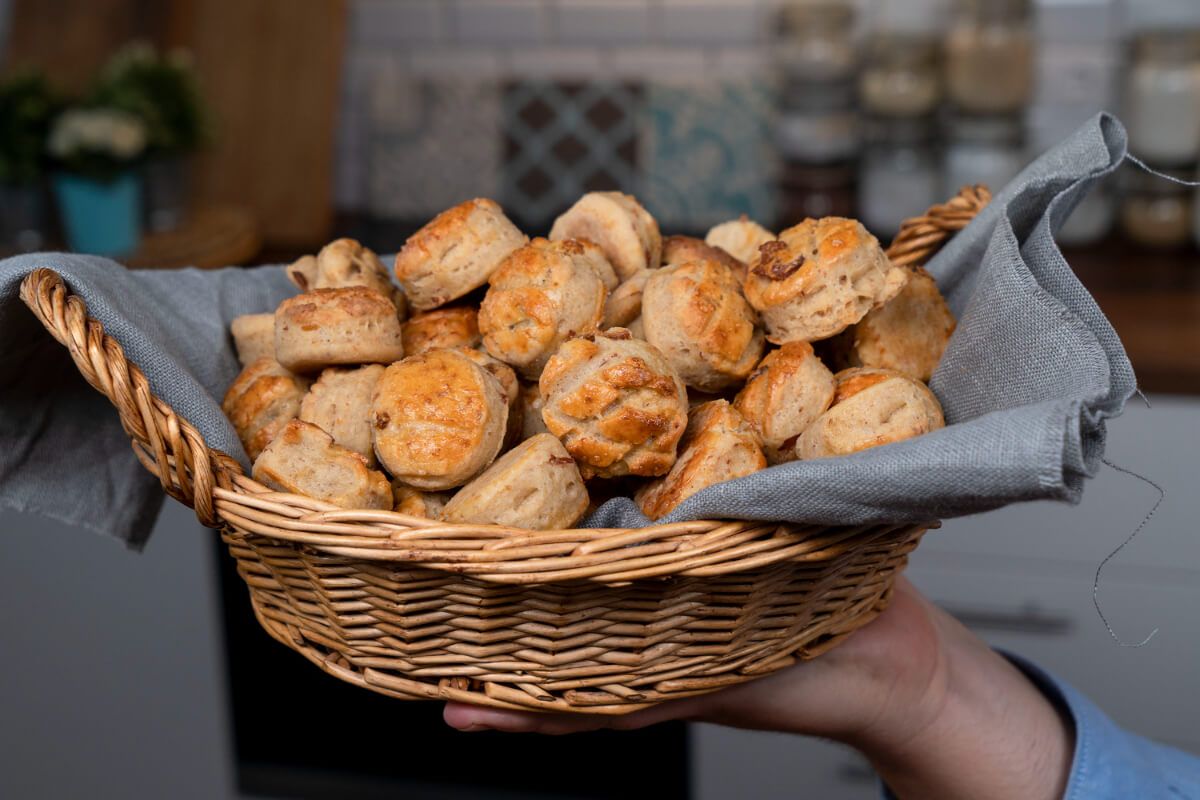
1111,763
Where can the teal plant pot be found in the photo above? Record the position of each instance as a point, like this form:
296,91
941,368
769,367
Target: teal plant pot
101,217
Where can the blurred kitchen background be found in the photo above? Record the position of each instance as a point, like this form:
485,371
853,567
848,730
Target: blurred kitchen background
210,132
264,129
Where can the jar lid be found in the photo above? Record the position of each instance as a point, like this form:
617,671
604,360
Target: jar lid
1001,129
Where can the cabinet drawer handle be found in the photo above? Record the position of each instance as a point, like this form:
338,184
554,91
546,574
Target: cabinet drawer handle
1029,619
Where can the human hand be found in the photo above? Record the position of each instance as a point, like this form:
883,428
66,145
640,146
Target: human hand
936,711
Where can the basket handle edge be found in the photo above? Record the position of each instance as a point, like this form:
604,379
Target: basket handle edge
165,443
919,238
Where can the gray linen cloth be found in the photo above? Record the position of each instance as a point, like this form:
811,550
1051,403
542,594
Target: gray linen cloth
1030,376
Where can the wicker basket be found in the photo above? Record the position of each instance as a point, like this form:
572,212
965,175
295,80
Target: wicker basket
597,621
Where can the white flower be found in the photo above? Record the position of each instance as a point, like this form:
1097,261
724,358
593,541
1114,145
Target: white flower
101,131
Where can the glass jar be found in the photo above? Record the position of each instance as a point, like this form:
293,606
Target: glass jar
900,76
821,136
989,56
1162,97
1156,212
817,63
817,191
816,43
898,176
987,150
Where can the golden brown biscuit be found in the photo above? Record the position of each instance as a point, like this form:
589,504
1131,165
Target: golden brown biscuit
253,337
909,334
637,328
682,249
871,407
455,253
619,225
542,295
260,401
624,305
819,278
303,459
303,272
509,385
719,445
616,404
415,503
594,257
345,262
455,326
531,412
332,327
741,238
439,419
695,314
535,486
339,403
788,390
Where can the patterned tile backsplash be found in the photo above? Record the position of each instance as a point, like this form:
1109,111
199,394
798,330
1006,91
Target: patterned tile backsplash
534,102
706,155
432,143
564,139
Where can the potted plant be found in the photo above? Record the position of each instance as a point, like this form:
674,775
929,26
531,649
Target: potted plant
27,105
161,90
96,152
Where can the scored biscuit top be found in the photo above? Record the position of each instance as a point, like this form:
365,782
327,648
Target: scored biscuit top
541,295
431,412
711,311
857,379
616,404
796,262
313,309
456,326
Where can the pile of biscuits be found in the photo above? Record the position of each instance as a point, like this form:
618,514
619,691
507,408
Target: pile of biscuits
519,382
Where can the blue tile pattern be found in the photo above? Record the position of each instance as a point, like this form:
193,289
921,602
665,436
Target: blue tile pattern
706,153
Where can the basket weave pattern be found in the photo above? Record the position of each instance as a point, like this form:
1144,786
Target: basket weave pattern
593,620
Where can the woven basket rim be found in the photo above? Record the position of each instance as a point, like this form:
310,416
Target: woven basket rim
214,484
